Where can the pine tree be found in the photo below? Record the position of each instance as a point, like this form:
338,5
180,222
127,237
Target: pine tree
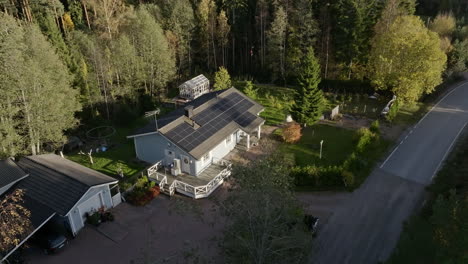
222,79
309,101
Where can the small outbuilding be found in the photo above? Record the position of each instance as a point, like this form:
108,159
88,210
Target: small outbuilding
194,88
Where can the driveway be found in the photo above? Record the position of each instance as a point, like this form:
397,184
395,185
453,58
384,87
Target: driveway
366,227
165,230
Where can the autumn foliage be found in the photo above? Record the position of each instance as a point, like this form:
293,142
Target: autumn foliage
14,220
292,132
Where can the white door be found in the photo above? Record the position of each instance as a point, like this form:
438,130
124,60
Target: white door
91,205
185,163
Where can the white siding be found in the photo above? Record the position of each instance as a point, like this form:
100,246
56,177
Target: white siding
218,152
74,216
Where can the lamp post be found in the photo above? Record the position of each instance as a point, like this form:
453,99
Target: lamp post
321,144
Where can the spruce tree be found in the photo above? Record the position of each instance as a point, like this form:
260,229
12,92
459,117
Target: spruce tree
309,102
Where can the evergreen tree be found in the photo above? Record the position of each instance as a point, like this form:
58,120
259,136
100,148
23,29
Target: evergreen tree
309,101
222,79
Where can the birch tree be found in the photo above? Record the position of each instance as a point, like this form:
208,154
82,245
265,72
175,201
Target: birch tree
407,59
277,44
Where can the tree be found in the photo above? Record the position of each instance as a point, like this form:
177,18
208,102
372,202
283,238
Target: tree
223,29
443,24
309,101
250,90
15,221
39,104
354,21
265,221
158,62
458,58
292,132
222,79
276,41
406,59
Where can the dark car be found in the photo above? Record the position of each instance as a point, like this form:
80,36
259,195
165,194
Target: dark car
49,240
311,223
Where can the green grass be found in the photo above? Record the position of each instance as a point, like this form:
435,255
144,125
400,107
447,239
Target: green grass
337,146
120,156
275,99
411,113
357,105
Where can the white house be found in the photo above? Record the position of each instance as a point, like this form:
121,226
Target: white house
191,142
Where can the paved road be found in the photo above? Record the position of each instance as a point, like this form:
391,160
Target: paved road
366,228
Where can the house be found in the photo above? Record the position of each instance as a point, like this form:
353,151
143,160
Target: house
58,190
194,88
188,148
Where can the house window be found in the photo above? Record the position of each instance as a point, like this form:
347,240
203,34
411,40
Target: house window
206,158
228,140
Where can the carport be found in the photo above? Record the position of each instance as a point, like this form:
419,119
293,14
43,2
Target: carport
40,215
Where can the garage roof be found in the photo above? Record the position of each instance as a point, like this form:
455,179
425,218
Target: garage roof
10,173
57,182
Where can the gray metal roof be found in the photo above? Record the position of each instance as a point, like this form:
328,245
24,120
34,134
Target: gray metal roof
212,122
10,172
57,182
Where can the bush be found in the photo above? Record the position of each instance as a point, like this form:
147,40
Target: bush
375,127
348,178
144,192
392,113
292,132
365,137
250,91
93,218
314,176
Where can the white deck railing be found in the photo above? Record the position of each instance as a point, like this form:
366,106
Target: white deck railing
190,190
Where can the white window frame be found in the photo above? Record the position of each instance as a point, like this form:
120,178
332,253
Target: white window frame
228,140
206,158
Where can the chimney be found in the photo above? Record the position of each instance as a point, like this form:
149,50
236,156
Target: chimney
189,111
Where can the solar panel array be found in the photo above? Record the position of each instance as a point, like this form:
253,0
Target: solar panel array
233,107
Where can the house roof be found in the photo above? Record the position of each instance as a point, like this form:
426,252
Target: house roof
216,115
10,172
57,182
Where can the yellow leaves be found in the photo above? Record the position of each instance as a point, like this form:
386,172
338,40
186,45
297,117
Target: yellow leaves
14,220
68,24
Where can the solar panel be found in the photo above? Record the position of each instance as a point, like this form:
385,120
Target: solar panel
230,108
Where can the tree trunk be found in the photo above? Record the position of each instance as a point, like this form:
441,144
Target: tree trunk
86,14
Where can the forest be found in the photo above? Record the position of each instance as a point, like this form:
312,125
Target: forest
69,62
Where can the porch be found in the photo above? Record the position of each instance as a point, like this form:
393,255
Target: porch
196,187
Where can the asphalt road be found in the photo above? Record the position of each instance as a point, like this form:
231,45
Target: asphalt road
366,227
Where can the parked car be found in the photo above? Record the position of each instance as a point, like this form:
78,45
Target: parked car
49,240
311,223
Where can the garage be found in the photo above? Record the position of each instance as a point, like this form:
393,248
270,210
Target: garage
91,205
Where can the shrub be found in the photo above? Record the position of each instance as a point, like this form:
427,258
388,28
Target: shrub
392,113
292,132
143,192
93,218
317,176
250,91
375,127
348,178
365,137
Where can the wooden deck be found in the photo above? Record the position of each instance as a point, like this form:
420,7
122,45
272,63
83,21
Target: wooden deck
203,179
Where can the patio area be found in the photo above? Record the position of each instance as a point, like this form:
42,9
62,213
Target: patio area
196,187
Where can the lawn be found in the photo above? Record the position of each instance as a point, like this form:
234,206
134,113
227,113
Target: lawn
120,156
357,104
338,144
275,99
411,113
